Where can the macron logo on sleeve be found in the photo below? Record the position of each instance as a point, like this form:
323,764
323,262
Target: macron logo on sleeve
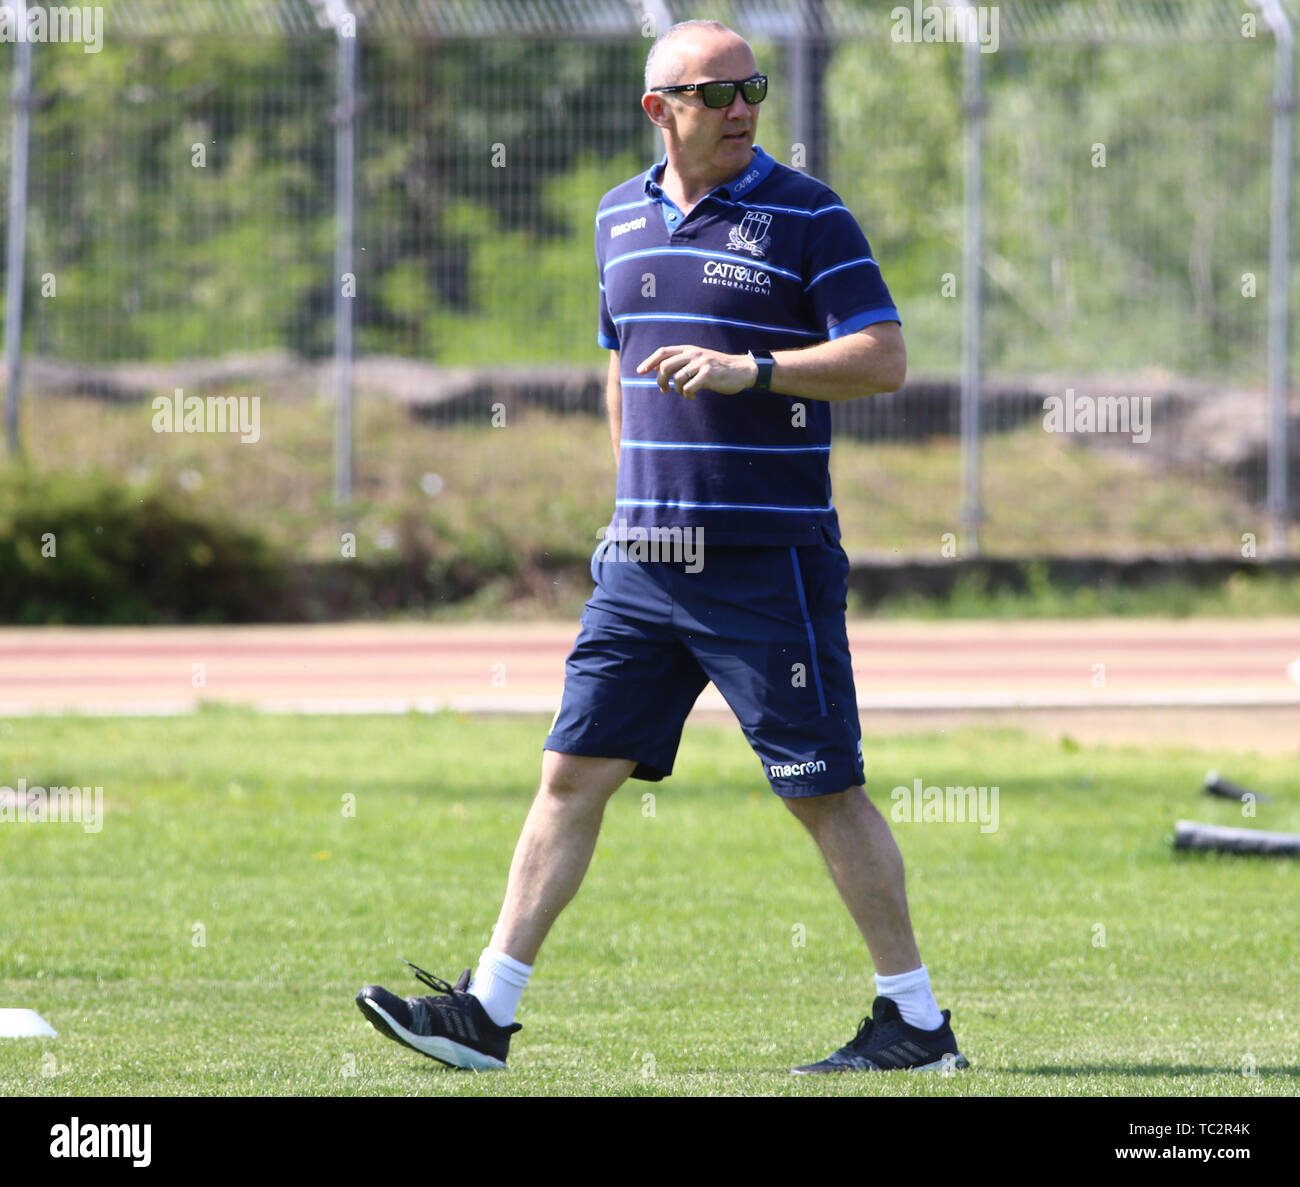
632,224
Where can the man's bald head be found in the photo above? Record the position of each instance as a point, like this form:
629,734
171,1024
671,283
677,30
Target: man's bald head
675,49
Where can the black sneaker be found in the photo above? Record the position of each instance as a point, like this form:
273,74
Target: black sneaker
452,1028
885,1042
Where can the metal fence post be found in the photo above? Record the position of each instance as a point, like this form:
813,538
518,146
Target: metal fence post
809,53
1279,276
972,509
344,206
22,91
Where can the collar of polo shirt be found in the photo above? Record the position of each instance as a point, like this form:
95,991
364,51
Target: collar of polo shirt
742,183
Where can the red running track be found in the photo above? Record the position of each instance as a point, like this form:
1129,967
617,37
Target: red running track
519,667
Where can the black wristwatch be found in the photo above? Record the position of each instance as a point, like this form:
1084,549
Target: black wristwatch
765,363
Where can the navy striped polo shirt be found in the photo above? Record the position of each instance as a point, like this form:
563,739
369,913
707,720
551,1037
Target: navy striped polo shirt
770,259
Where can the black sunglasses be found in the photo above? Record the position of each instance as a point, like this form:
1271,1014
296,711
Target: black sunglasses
722,94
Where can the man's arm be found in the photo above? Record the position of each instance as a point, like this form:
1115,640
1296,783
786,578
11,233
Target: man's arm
614,402
867,363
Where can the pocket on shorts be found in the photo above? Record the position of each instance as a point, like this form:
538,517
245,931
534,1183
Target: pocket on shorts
824,570
596,561
841,571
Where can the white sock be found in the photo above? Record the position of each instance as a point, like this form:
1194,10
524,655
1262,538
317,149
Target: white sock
499,982
915,999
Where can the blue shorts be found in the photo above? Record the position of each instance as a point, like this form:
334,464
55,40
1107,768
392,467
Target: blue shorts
766,625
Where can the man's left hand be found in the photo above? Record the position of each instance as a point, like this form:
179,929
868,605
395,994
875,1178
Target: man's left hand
688,369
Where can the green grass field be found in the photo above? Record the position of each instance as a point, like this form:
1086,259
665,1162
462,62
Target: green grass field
676,971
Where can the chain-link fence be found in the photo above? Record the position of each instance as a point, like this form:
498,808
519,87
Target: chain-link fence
181,232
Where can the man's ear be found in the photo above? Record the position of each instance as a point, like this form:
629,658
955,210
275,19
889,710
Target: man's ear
656,108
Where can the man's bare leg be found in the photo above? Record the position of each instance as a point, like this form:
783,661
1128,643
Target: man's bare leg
868,872
551,857
867,869
555,847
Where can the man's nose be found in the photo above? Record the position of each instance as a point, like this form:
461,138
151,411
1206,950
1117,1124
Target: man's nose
739,109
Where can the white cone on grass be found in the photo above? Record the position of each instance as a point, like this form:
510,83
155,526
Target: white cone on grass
24,1024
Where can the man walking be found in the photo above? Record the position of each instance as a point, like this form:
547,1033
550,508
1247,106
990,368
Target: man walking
738,300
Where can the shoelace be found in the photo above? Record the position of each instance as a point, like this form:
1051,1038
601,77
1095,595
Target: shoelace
429,979
864,1032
